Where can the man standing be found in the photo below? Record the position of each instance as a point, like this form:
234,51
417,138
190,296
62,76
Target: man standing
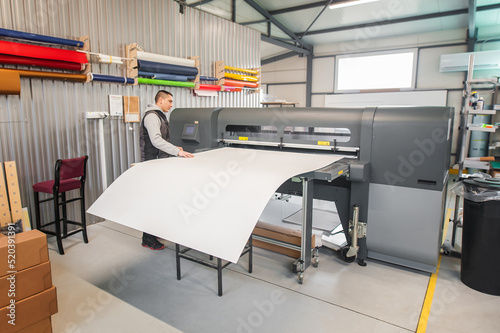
155,136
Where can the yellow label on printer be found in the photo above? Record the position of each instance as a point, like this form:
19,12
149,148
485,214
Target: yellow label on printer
243,138
323,143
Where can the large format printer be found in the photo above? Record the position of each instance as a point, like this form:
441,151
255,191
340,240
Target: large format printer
392,180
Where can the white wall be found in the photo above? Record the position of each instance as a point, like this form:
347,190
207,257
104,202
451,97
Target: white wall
428,75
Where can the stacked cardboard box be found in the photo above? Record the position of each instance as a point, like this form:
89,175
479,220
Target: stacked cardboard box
27,296
282,234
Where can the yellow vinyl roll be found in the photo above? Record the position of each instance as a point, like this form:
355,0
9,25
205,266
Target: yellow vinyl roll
241,77
10,82
243,70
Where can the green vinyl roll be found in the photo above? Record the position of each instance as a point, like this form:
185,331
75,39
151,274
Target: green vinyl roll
165,82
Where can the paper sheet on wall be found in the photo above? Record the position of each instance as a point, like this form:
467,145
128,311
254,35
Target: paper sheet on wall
210,203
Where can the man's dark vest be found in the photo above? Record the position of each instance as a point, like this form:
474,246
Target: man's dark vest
148,151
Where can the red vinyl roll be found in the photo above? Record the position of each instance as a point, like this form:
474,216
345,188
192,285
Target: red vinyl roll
209,87
236,83
41,52
15,60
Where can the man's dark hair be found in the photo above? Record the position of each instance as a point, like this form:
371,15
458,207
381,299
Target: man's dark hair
162,94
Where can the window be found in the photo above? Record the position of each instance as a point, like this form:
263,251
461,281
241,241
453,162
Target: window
381,70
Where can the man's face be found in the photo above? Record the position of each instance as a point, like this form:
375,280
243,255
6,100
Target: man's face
166,103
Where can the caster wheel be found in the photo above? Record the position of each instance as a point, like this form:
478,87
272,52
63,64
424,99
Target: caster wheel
315,262
446,252
301,278
343,255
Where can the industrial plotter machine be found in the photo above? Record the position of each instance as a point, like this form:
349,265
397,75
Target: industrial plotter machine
389,187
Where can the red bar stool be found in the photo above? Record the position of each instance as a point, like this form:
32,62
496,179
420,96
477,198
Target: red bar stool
69,175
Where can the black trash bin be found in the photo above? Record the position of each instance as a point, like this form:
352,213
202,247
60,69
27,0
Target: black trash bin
480,263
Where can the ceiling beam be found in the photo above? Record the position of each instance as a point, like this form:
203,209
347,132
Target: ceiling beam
297,8
254,22
278,58
472,18
401,20
288,46
199,3
278,24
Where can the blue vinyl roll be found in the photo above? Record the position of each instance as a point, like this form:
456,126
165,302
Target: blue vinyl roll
158,67
169,77
208,78
110,78
39,38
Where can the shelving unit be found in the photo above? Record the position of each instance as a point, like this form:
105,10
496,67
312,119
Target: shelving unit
466,127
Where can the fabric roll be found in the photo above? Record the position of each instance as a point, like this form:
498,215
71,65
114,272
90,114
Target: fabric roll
111,79
39,38
50,75
108,59
41,52
15,60
243,70
165,59
241,77
169,77
10,84
209,87
229,88
208,78
157,67
234,83
165,82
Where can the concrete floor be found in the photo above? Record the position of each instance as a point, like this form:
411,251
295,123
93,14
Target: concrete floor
113,284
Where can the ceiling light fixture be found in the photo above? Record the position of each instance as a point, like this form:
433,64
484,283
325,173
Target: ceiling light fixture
348,3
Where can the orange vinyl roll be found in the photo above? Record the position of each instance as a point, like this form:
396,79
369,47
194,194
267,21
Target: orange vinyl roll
10,83
54,76
234,83
49,75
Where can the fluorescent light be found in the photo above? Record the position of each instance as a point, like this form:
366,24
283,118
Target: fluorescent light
348,3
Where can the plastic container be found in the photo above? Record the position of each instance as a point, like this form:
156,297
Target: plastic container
480,262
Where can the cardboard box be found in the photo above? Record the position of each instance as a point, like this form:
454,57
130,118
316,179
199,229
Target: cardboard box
28,282
495,169
44,326
282,234
30,250
29,311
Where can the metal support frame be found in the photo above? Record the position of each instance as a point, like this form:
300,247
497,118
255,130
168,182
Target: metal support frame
273,20
182,253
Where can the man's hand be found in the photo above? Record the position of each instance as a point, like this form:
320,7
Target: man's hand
185,154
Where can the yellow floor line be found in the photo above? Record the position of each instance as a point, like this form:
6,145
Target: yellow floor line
426,309
446,224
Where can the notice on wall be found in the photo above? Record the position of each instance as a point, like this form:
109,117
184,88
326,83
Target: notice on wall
115,105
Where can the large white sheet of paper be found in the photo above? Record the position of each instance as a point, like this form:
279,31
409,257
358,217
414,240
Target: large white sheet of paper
210,203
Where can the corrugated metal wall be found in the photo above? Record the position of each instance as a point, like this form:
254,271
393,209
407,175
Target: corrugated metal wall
47,121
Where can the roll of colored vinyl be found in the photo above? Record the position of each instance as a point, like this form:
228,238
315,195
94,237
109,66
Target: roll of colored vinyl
241,77
10,84
15,60
53,76
169,77
165,59
39,38
229,88
209,87
207,78
41,52
243,70
165,82
111,79
235,83
157,67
